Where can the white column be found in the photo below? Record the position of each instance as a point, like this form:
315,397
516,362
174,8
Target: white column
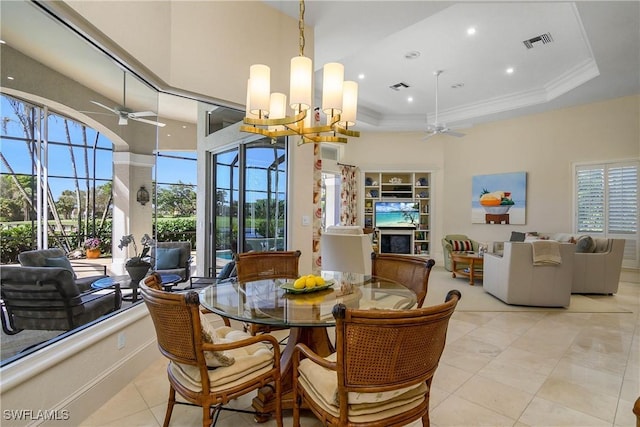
130,172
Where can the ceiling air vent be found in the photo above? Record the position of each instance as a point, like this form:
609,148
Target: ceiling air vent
543,38
399,86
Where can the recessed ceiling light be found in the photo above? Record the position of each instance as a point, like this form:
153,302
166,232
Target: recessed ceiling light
510,70
471,31
184,126
9,78
410,99
168,134
2,42
412,55
361,76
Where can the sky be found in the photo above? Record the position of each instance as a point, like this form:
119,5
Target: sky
170,170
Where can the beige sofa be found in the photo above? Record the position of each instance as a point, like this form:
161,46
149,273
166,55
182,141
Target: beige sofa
514,279
598,272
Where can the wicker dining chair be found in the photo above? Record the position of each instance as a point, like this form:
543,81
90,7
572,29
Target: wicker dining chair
252,266
413,272
209,367
381,372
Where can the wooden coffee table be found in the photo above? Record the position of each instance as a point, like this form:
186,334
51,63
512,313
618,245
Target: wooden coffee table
471,265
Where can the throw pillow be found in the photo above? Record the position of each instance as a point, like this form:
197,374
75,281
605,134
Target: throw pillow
461,245
62,262
517,236
167,258
214,358
227,270
585,244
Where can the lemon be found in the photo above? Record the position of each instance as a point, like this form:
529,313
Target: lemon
300,283
310,282
319,281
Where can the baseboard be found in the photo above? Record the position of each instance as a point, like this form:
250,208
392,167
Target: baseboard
88,400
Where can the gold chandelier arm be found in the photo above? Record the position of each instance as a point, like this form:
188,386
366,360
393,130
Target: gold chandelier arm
276,122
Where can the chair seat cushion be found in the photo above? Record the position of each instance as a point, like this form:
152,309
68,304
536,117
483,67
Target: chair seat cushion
249,361
322,385
167,258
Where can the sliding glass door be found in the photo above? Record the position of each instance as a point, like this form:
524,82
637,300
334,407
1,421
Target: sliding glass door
250,183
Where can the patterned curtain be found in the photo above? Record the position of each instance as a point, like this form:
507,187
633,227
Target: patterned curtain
349,195
317,209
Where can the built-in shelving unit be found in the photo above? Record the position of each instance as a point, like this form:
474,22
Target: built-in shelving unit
400,186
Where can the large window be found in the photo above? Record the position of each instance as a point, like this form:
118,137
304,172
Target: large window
250,183
62,161
607,203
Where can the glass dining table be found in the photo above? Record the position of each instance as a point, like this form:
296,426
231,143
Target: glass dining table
307,314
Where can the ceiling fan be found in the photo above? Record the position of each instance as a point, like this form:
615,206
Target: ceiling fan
440,128
124,114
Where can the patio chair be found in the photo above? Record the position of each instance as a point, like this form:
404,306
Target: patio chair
47,298
172,258
381,372
56,257
209,367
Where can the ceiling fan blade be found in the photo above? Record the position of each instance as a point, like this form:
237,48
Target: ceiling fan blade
142,114
452,133
113,110
151,122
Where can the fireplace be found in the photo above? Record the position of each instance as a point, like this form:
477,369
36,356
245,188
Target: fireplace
394,241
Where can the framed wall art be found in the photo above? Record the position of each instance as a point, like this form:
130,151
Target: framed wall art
499,198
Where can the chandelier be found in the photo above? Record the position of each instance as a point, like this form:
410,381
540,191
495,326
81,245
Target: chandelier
266,112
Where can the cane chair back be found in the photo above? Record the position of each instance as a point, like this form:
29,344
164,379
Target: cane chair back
381,372
266,265
180,332
412,272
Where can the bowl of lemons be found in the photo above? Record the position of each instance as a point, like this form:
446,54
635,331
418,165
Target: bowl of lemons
306,284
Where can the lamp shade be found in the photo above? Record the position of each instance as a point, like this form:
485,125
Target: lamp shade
349,103
332,83
260,89
277,108
300,83
248,112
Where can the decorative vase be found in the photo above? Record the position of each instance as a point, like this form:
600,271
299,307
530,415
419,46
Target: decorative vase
93,253
137,272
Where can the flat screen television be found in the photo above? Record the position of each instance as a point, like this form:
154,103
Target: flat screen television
396,214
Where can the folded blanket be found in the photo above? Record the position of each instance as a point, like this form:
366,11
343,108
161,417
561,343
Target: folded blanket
546,252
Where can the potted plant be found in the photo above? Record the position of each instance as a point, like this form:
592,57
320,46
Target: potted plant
92,247
137,266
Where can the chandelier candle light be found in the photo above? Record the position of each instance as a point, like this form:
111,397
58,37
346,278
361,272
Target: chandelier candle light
266,112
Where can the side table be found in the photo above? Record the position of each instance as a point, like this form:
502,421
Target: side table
472,259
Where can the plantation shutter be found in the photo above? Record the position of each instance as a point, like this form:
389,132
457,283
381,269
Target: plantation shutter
607,204
590,200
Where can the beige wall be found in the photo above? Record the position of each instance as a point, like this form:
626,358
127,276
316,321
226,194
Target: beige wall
199,46
546,146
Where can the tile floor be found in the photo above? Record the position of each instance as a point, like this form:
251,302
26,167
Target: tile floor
498,369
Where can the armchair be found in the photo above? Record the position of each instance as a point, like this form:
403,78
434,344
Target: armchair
47,298
172,258
447,247
56,257
514,279
598,272
382,370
